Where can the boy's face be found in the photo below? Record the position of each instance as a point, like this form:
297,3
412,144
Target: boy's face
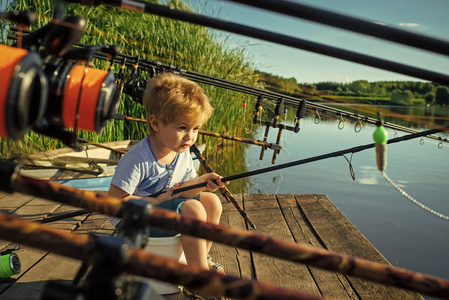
178,136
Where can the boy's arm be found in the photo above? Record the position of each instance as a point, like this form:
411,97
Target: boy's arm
115,191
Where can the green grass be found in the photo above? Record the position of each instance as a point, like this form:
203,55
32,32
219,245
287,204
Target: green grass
184,45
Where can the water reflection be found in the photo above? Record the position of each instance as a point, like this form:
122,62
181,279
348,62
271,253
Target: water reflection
399,229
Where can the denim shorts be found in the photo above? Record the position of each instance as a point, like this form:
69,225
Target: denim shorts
173,205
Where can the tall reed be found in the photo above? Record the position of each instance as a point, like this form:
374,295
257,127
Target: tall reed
173,42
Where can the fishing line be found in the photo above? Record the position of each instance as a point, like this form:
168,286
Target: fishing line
309,160
342,123
358,126
351,168
244,120
146,65
413,200
317,118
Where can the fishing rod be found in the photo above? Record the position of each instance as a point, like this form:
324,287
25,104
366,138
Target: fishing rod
164,11
137,262
350,23
137,92
138,86
224,190
223,136
11,180
308,160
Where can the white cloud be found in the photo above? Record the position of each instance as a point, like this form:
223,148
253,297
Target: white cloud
341,78
409,24
370,181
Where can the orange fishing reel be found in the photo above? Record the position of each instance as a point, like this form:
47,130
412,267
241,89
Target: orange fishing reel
23,91
80,97
51,91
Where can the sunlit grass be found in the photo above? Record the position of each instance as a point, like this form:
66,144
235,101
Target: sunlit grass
187,46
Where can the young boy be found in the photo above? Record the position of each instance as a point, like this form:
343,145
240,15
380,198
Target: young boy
176,109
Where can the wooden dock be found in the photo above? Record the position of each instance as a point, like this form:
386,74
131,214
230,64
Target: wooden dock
311,219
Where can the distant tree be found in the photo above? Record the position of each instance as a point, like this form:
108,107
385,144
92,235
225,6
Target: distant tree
360,86
311,86
430,97
402,97
442,95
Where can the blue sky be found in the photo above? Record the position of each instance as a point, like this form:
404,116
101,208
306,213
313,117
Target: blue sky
427,17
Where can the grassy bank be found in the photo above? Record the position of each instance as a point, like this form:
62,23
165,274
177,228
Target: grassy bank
184,45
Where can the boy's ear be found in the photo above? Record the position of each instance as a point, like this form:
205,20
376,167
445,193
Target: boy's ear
154,123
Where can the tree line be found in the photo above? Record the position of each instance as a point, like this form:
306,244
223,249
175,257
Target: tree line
396,92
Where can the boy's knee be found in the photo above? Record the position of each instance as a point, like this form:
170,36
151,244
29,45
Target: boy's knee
210,198
193,209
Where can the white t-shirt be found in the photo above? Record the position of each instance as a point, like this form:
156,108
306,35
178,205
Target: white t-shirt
139,173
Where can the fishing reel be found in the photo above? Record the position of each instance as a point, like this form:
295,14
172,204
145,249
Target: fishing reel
51,90
79,97
23,92
9,264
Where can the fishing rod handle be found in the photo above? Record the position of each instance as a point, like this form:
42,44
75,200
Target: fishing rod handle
299,253
142,263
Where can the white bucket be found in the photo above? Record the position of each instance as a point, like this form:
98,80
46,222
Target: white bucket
168,247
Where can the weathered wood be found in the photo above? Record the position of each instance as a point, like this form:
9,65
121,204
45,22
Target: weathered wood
343,237
266,214
9,203
234,261
77,159
311,219
37,209
31,285
92,223
69,224
28,258
330,284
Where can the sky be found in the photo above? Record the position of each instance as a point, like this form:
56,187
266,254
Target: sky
426,17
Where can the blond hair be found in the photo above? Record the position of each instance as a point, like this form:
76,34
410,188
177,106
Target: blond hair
169,97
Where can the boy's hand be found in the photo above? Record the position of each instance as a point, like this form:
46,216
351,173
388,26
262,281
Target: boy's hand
168,195
213,181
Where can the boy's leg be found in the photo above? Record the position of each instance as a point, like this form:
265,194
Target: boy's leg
213,208
195,249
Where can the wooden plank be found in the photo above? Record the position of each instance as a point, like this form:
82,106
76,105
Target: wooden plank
77,159
234,261
37,209
92,223
31,285
265,212
330,284
343,237
9,203
69,224
28,257
106,229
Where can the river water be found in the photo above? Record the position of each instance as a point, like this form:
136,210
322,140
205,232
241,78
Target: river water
407,235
